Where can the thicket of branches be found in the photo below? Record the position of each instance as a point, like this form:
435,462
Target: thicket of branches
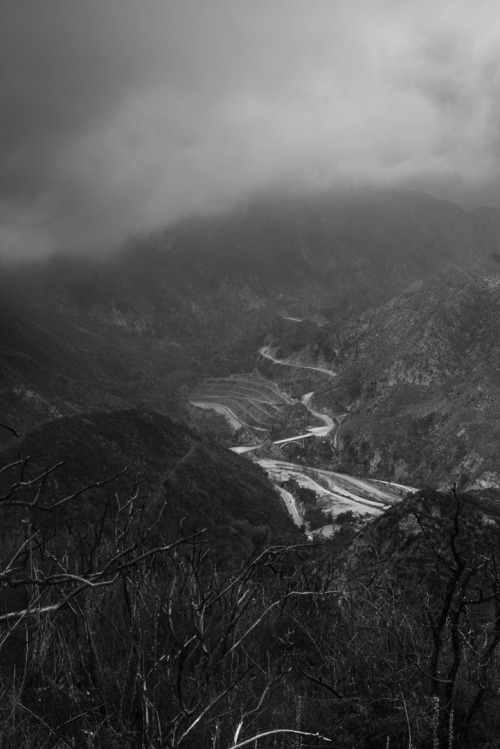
113,634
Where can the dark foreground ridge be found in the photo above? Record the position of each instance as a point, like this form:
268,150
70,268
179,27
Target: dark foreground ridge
114,609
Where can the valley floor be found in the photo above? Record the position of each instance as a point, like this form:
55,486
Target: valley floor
251,403
337,492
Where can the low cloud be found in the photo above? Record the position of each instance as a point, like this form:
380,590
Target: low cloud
123,117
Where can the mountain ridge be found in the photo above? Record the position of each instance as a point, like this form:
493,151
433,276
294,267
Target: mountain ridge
395,291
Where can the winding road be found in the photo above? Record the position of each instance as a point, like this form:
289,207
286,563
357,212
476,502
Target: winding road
329,422
265,352
321,431
344,492
291,504
225,411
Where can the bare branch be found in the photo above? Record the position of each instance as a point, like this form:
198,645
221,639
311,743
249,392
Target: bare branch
12,465
50,508
22,484
277,730
93,581
277,603
10,429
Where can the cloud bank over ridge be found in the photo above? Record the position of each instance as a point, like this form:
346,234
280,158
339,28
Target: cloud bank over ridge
122,116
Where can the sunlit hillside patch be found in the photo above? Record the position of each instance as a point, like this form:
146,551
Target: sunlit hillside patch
336,493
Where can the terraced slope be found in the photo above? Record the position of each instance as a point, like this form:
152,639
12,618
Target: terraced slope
251,402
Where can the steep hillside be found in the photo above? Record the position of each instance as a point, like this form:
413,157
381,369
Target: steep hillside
420,534
47,369
418,381
335,278
180,476
52,365
228,277
432,393
416,628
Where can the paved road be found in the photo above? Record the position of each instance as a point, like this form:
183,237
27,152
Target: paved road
225,411
329,422
264,351
293,439
391,495
291,505
358,489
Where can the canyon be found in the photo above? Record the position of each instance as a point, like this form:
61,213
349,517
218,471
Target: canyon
384,304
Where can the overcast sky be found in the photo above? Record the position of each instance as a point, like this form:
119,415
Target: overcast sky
119,116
